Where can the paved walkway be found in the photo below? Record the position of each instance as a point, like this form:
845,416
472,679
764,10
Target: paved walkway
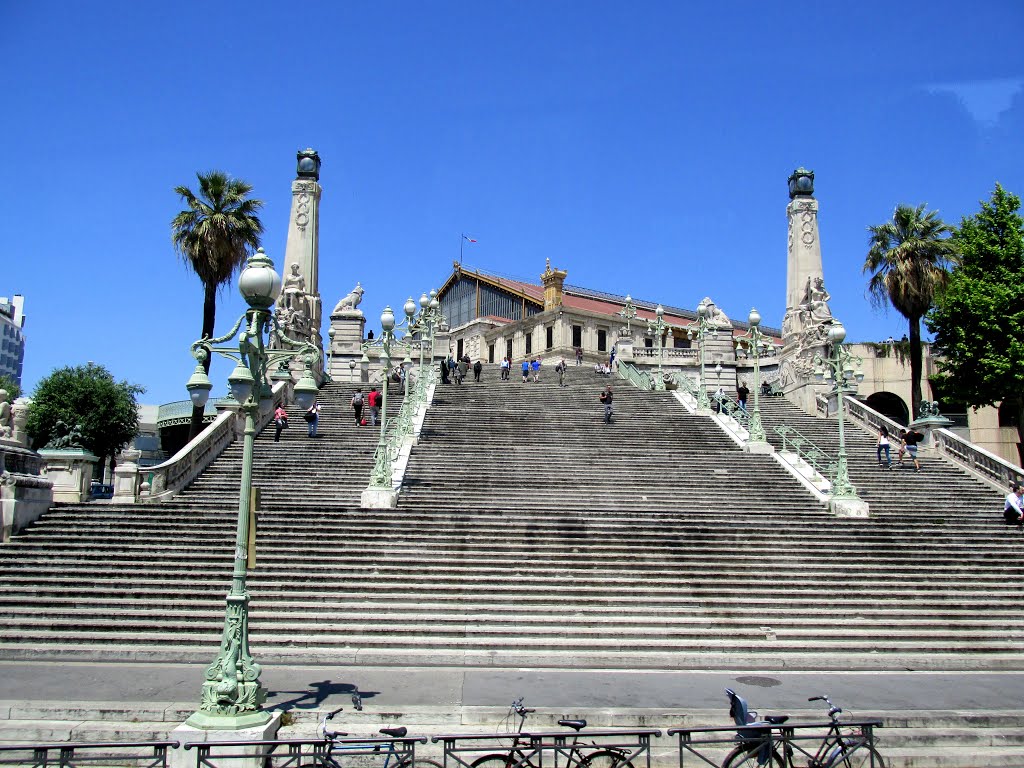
313,687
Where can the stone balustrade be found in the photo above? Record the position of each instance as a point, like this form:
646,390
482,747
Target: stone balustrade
165,480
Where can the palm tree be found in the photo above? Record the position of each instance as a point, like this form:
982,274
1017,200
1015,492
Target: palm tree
909,260
214,236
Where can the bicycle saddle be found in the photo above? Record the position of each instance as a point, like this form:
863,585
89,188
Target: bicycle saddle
574,724
776,719
334,734
395,733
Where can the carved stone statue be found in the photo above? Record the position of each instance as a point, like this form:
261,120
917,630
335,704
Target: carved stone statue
293,296
63,436
815,302
716,316
6,426
350,302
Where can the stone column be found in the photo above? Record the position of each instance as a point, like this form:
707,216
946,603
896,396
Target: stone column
805,324
303,245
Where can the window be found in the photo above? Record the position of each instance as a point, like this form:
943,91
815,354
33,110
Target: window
508,348
602,340
458,350
681,342
490,353
529,343
577,335
549,337
648,342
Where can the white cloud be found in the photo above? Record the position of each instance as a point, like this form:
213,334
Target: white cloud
984,100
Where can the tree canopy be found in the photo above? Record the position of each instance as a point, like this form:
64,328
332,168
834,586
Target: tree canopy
978,321
13,390
214,236
88,396
909,259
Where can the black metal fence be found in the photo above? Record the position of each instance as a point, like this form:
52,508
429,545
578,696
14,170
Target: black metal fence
549,749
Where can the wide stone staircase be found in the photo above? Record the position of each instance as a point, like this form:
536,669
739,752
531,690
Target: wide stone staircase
529,533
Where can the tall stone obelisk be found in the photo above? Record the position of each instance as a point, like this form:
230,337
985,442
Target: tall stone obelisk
805,324
299,308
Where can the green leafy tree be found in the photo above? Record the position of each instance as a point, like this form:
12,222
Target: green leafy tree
979,319
13,390
86,396
214,236
909,260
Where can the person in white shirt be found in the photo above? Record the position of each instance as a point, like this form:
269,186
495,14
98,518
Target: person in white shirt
1013,510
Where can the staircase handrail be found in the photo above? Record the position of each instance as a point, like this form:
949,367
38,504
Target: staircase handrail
397,429
796,442
636,377
731,408
985,464
161,482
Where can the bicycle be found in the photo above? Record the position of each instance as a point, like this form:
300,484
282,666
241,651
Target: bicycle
577,753
760,746
338,749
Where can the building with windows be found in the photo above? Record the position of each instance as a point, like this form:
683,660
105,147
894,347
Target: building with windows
492,317
12,337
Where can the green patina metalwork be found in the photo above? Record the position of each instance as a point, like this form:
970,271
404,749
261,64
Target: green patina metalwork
755,344
232,695
420,328
699,329
838,368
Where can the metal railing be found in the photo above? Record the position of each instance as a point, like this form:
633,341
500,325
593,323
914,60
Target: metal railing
783,737
795,442
636,377
293,753
142,754
554,749
398,429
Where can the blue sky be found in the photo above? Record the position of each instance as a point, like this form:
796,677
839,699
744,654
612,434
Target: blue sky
644,147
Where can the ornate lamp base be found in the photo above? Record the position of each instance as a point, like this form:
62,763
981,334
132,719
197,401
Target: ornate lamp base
227,722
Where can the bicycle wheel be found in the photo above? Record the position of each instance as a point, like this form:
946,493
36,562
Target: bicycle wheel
861,757
749,756
496,761
605,759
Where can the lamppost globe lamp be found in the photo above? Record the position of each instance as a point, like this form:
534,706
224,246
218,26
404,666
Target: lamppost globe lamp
754,318
306,391
409,307
241,382
259,283
199,387
836,333
387,320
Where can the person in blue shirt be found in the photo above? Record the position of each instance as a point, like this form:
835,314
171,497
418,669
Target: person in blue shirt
535,366
526,371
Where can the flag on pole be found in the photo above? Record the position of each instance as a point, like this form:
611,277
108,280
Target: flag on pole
469,239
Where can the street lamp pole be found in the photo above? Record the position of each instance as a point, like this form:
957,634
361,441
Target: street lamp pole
755,342
657,327
628,312
232,695
699,329
838,366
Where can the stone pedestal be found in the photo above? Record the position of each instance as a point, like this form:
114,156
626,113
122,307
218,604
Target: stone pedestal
184,733
70,470
849,507
346,338
24,493
379,498
126,476
760,447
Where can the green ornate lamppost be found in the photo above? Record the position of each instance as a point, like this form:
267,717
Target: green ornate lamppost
628,313
232,695
381,477
656,327
838,368
700,329
755,343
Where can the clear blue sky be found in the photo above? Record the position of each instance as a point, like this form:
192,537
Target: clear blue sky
642,146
